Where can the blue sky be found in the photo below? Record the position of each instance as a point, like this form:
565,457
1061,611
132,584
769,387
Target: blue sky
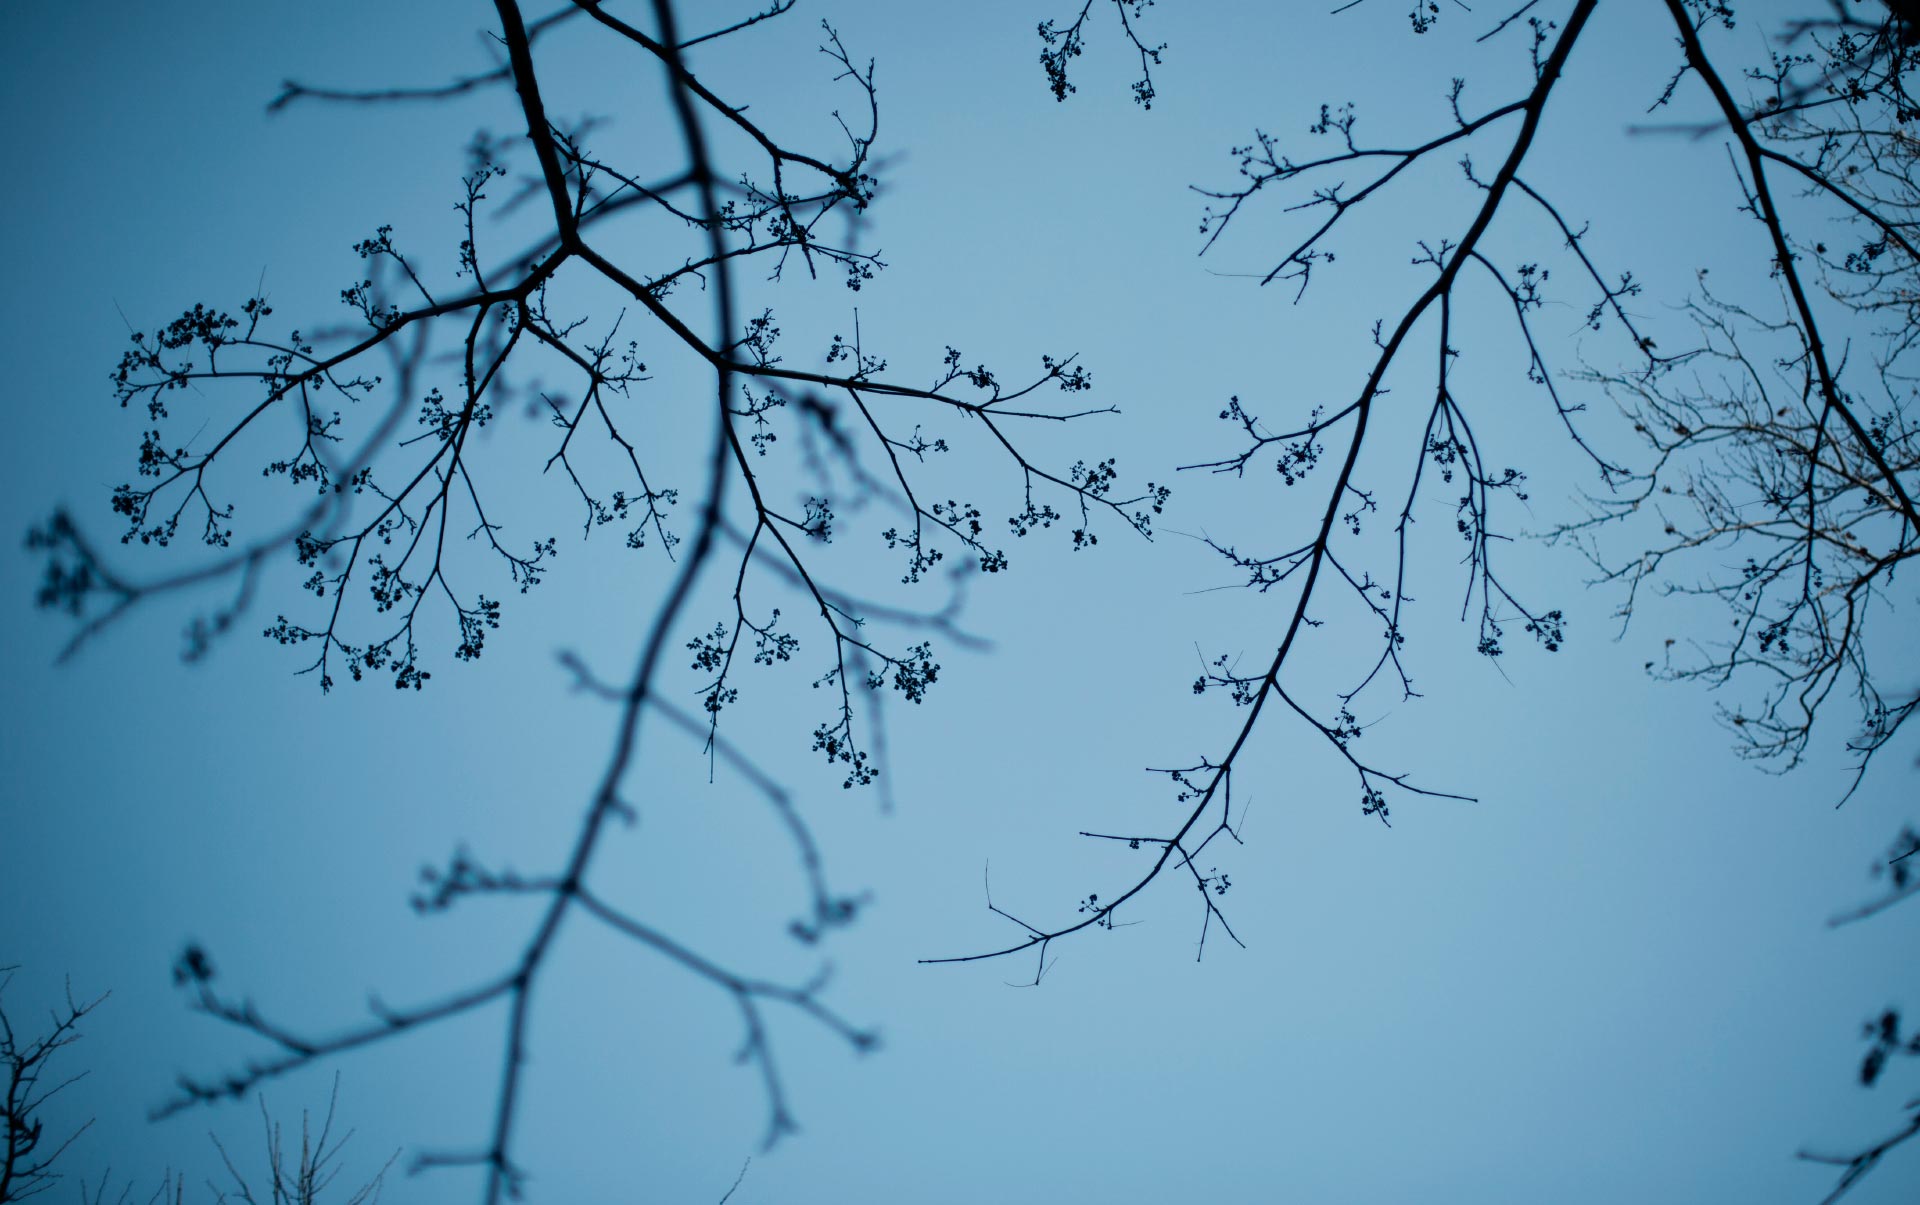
1608,979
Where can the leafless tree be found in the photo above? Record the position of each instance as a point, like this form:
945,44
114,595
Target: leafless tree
1746,451
1728,423
1770,441
27,1160
311,1173
303,1178
386,515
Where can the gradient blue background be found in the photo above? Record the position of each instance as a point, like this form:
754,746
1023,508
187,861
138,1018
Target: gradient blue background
1607,980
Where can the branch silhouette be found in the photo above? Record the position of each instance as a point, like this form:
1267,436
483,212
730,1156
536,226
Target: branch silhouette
400,513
